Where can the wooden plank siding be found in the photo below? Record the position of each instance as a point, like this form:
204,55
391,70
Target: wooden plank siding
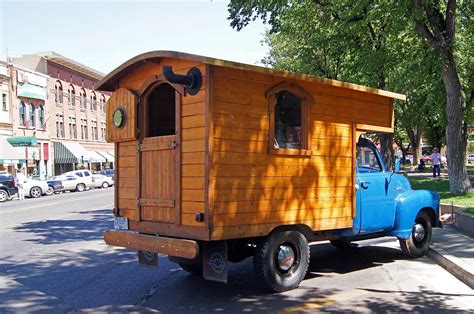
253,191
193,143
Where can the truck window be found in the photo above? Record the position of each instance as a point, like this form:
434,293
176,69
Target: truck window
367,160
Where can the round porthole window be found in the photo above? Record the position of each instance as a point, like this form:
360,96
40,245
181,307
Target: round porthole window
118,118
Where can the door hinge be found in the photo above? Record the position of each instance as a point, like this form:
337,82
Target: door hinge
140,202
139,146
174,144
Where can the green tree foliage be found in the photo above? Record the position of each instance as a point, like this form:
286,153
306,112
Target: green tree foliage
367,42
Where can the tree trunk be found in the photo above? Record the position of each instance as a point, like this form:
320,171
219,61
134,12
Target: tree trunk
415,141
386,148
456,133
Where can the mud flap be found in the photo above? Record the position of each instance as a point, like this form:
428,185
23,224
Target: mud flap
148,259
215,261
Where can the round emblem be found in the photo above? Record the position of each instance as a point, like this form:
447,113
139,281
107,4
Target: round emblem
118,118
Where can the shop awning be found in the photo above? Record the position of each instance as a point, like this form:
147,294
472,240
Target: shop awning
107,155
8,155
70,152
19,141
95,157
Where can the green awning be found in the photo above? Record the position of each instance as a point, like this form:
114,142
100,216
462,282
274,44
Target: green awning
69,152
20,141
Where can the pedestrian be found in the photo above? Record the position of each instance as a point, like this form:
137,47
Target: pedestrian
436,160
20,181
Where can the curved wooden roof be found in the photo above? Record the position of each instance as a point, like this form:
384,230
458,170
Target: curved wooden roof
109,82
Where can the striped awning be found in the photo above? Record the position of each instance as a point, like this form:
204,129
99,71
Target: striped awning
8,155
70,153
107,155
95,157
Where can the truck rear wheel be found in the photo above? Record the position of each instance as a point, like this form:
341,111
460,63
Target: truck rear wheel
419,241
282,260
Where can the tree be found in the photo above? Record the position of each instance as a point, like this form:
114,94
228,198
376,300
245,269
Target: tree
439,31
371,43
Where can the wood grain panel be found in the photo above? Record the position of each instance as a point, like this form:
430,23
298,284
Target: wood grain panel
228,183
122,98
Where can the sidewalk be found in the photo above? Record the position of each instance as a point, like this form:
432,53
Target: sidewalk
454,251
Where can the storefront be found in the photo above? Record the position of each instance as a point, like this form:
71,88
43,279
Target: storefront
10,159
69,156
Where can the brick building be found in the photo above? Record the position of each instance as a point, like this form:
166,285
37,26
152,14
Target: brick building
53,101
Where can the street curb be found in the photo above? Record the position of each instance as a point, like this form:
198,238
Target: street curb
458,268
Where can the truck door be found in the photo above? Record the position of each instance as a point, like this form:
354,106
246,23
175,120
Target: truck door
159,155
375,195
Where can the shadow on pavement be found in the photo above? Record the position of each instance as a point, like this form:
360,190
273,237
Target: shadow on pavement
56,231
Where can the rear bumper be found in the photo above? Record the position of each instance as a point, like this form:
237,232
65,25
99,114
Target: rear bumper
150,243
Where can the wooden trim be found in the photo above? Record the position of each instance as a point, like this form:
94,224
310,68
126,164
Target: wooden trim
372,128
306,135
163,245
291,87
155,202
154,79
291,152
209,170
166,229
108,82
354,170
154,146
177,164
117,174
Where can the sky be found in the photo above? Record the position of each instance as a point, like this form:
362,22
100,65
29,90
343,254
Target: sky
103,34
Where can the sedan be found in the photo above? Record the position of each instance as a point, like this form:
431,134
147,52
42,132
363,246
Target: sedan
102,181
35,188
54,185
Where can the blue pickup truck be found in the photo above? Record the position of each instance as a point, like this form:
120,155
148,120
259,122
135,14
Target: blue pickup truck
387,206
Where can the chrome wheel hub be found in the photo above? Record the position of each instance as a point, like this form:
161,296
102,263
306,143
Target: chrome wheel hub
286,257
419,232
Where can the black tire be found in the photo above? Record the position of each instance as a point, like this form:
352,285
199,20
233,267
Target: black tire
274,276
105,185
415,246
3,196
192,266
80,187
343,244
49,191
36,192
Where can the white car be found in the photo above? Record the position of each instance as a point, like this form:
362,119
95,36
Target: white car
470,158
84,180
102,181
35,188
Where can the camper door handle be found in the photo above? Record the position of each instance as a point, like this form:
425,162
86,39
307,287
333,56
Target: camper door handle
364,184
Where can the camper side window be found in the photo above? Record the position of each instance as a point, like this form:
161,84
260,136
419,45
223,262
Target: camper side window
289,120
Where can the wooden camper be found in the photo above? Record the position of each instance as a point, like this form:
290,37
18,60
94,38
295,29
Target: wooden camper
219,162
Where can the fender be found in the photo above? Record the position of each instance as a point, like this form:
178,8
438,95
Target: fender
409,204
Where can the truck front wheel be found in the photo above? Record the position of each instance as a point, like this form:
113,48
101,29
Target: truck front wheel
418,243
281,260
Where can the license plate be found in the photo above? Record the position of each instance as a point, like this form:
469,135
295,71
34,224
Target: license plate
120,223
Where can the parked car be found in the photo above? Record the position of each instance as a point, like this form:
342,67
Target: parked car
8,186
35,188
108,173
78,180
470,158
54,185
102,181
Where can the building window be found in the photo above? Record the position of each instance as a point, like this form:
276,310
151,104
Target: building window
72,128
84,135
58,93
83,100
102,131
102,104
59,125
4,102
22,112
32,116
289,120
93,102
71,96
94,131
41,122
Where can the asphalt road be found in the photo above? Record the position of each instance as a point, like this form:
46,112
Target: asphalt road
53,259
